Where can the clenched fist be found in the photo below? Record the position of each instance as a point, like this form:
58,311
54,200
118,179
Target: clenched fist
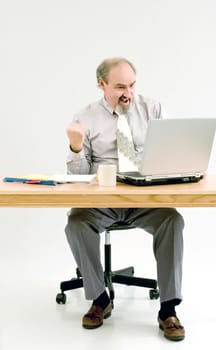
76,134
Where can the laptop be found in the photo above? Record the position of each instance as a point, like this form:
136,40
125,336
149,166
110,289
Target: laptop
175,151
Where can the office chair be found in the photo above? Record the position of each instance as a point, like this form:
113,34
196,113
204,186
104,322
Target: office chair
123,276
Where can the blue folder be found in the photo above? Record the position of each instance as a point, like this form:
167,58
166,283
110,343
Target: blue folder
30,181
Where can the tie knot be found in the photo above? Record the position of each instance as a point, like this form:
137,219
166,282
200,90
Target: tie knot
122,123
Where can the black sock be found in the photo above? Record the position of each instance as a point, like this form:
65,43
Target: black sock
168,308
103,300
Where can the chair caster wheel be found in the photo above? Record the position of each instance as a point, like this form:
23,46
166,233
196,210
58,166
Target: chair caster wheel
153,294
61,298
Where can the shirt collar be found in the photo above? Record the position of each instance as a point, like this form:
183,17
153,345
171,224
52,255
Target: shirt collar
107,106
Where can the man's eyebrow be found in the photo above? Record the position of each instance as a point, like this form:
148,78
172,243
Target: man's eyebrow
134,82
119,85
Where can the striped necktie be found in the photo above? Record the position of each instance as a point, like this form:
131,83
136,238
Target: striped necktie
125,145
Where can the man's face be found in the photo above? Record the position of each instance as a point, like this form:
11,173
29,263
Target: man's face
119,90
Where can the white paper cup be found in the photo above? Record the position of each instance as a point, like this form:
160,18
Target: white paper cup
106,175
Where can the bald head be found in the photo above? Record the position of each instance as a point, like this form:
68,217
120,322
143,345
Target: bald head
104,68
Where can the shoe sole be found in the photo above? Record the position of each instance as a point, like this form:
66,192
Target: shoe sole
171,338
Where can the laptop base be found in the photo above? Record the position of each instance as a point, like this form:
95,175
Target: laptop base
137,179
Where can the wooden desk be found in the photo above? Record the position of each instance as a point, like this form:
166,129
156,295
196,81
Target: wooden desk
200,194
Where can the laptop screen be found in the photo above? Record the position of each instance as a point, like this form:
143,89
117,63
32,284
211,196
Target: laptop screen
177,146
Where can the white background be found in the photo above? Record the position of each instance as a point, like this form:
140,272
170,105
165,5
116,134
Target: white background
50,51
48,56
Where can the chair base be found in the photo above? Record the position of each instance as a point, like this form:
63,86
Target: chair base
124,276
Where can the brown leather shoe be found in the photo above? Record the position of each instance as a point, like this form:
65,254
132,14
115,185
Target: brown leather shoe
95,316
173,330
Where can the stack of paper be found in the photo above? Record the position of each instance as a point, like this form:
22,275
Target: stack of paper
42,179
63,178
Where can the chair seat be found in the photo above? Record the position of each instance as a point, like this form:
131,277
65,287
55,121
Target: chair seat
120,225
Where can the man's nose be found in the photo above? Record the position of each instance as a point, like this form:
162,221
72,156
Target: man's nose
129,92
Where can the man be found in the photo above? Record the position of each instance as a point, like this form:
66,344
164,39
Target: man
92,138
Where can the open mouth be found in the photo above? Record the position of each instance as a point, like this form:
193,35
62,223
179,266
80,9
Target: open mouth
124,100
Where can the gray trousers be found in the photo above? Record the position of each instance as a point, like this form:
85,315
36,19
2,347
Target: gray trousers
165,224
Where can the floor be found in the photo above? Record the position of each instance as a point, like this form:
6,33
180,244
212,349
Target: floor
35,257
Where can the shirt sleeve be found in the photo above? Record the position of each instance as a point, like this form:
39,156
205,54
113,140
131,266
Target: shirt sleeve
157,110
77,163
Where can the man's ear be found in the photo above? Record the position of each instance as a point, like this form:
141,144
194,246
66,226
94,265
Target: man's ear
101,83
